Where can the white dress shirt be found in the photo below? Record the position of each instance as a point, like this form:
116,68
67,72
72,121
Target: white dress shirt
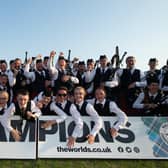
11,78
38,97
94,116
10,111
77,119
54,72
31,75
89,76
61,114
141,83
122,117
138,102
1,116
163,87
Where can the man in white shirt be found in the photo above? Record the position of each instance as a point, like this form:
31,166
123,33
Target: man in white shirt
4,116
130,82
105,107
70,109
24,108
86,109
60,75
152,101
103,76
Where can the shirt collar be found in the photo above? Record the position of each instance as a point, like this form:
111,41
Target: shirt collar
63,104
105,69
103,102
80,104
154,95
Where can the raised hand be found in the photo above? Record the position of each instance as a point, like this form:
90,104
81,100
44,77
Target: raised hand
52,53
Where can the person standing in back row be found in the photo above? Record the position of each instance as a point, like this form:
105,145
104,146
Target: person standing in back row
130,82
104,76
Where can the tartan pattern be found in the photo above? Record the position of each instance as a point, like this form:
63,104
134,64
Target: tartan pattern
160,148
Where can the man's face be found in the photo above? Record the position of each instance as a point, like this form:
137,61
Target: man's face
131,62
153,87
3,99
39,66
22,100
90,65
17,64
4,80
103,62
12,66
79,95
153,65
46,100
81,68
61,96
3,67
62,63
100,95
45,62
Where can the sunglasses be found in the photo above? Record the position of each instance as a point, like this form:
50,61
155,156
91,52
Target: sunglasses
60,95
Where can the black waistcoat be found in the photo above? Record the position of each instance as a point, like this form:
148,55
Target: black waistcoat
21,113
127,78
82,110
59,83
100,77
46,110
103,110
66,109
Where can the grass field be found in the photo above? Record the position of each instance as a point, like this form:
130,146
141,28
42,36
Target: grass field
64,163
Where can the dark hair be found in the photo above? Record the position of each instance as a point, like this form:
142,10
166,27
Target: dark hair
153,60
47,93
154,80
62,88
11,62
23,92
39,61
81,63
17,59
90,60
101,88
3,62
46,58
129,57
4,75
103,57
61,58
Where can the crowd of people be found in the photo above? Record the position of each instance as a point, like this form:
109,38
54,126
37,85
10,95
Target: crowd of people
78,88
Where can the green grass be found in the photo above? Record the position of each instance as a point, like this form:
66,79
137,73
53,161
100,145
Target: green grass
65,163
